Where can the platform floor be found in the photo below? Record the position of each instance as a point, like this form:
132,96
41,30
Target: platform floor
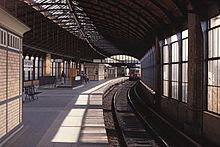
63,118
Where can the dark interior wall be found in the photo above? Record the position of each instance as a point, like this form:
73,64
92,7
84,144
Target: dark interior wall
148,69
174,109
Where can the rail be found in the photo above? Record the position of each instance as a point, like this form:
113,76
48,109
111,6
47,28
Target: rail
164,120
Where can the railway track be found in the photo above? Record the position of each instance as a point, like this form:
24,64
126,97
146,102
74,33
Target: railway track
170,134
138,125
132,131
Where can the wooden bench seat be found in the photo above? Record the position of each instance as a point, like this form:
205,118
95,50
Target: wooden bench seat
31,92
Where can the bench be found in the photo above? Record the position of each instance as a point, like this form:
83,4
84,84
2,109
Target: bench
31,92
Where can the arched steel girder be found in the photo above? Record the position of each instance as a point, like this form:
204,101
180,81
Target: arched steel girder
182,6
156,4
151,14
131,24
126,27
132,14
109,28
150,21
129,28
144,23
164,10
135,29
179,5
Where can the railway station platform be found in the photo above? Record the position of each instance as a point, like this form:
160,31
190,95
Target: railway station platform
64,117
169,49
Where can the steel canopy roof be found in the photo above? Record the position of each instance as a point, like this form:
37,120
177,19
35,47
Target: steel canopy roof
88,29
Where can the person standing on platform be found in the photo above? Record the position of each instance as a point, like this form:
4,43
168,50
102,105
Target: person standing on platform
63,77
85,78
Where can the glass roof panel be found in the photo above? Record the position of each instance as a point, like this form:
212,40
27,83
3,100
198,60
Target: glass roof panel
76,22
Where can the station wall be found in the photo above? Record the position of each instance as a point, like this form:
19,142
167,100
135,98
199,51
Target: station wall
11,33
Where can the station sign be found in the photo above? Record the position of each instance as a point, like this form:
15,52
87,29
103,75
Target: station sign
58,60
28,63
97,61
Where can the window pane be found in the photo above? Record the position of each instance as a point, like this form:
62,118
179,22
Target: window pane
54,69
184,92
185,49
215,21
209,98
185,72
51,68
214,38
25,74
31,73
36,68
212,72
165,72
185,34
213,99
57,69
175,52
165,88
165,54
175,72
219,100
175,90
40,68
174,38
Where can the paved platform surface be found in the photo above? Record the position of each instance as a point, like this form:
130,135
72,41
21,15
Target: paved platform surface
63,118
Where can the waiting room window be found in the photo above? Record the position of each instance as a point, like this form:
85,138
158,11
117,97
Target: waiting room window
36,68
3,37
40,67
51,67
64,67
14,42
28,68
213,94
32,69
54,69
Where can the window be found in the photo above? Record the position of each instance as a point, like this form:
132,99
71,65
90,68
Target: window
213,94
175,66
175,60
165,70
3,37
51,67
54,69
36,68
28,68
40,67
184,65
57,69
14,42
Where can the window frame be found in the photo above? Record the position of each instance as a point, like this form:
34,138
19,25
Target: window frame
212,59
179,63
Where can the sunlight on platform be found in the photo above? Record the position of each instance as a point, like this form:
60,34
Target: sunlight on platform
69,130
84,123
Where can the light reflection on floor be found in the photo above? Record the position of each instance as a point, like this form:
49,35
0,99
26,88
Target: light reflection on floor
80,123
83,122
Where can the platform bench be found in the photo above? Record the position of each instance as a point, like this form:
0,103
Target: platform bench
31,92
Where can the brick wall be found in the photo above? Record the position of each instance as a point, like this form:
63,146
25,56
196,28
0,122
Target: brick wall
10,90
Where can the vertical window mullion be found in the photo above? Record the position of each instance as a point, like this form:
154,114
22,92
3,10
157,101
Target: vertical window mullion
170,71
180,68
